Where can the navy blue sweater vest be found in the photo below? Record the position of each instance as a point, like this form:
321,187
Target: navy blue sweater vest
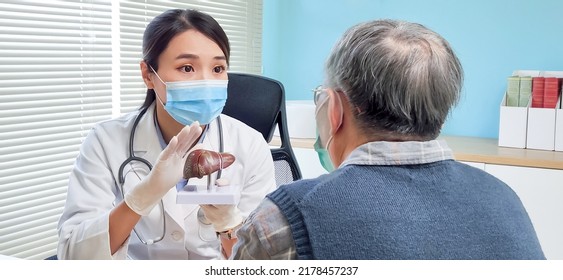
441,210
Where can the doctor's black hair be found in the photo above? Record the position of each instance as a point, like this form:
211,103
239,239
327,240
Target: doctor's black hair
167,25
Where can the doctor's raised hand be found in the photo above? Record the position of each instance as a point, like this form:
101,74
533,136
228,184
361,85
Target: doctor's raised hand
121,196
166,172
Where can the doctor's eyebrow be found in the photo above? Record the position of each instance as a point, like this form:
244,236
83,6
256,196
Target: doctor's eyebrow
193,56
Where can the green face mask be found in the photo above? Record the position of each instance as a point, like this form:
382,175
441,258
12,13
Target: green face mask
324,157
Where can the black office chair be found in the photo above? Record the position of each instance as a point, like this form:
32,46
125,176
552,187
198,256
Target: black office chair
259,102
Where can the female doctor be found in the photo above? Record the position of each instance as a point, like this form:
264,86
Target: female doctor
121,200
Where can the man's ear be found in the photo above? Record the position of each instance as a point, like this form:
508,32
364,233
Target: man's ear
335,111
146,73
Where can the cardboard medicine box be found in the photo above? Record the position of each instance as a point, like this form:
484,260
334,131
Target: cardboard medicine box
530,127
513,123
512,126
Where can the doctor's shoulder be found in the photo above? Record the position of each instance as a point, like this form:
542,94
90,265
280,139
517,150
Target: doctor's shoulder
241,132
113,129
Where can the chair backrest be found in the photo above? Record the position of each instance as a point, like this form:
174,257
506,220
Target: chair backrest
259,102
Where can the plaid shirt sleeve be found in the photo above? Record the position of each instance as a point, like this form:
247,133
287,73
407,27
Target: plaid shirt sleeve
265,235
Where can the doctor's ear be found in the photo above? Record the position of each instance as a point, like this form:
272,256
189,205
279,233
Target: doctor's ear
146,73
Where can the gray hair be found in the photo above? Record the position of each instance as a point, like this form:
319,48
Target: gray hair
401,78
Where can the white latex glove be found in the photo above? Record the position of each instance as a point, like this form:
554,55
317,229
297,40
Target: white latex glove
223,217
167,171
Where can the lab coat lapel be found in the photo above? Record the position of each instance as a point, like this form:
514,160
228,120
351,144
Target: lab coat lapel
146,142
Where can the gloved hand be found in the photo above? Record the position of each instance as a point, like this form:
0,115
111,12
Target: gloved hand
167,171
223,217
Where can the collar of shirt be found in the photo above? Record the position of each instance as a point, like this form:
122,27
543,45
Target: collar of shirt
180,185
399,153
161,138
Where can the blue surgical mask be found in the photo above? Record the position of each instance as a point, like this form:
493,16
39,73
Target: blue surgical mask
324,157
190,101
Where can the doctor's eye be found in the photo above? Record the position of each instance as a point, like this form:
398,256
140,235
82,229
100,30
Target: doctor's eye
218,69
187,68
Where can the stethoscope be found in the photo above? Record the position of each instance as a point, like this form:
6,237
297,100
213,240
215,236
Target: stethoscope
132,158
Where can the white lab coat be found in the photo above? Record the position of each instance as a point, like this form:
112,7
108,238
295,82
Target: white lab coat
93,191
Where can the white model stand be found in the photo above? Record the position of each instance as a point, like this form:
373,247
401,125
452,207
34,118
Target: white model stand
201,194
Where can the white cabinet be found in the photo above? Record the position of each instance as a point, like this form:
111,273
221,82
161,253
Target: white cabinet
541,192
479,165
309,163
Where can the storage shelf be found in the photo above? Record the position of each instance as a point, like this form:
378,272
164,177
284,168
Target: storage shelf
474,149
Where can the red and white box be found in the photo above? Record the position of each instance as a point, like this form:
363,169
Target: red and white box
541,128
559,125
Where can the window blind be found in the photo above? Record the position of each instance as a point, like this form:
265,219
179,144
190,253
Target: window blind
55,83
241,20
65,65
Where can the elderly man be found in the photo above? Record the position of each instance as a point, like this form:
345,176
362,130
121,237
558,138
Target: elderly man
397,193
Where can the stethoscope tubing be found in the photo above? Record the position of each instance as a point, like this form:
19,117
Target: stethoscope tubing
132,157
